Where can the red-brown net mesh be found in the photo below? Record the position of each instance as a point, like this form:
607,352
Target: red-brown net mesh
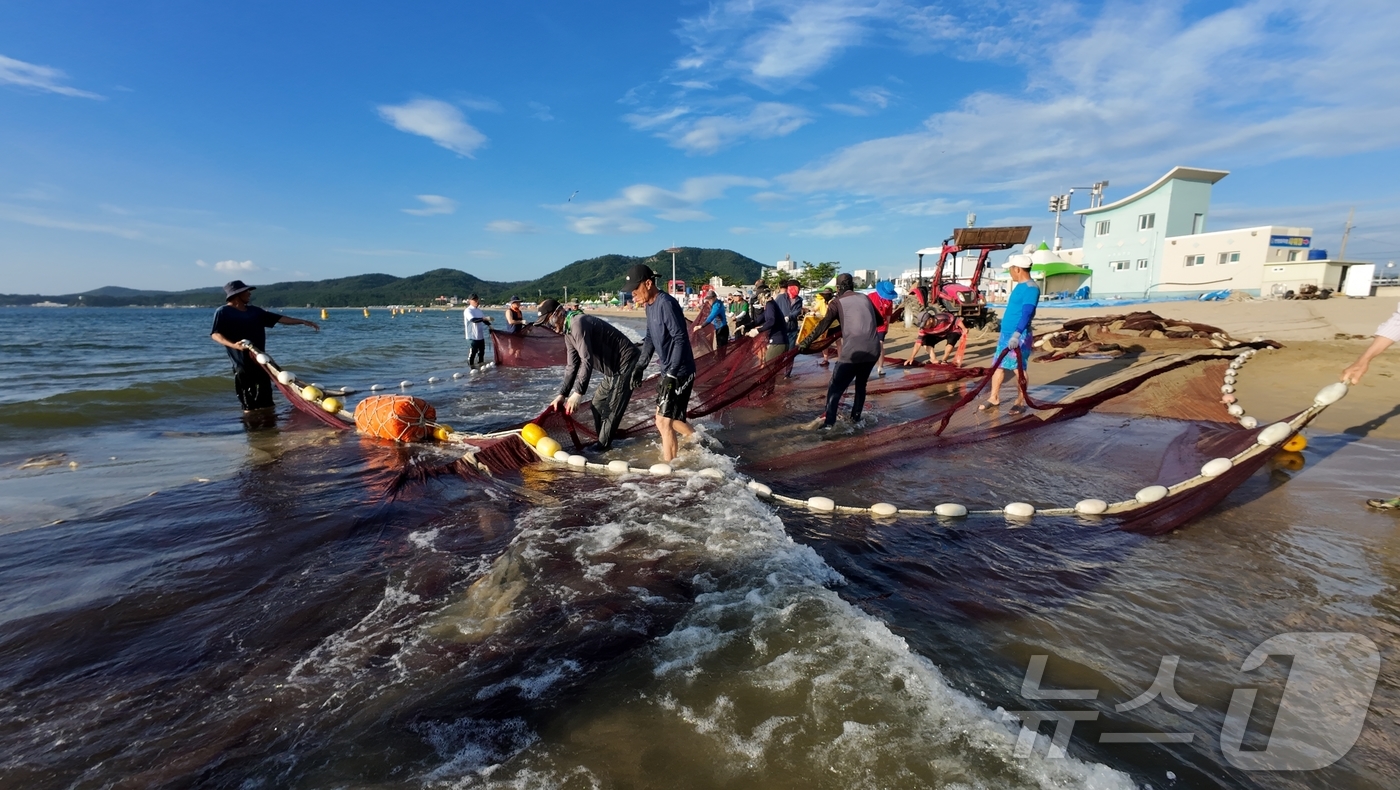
1082,446
532,347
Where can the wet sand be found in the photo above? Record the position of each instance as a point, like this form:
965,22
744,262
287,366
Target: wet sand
1319,339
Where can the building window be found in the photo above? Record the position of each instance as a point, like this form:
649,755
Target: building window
1101,228
1146,221
1198,223
1142,263
1119,266
1196,260
1229,257
1293,255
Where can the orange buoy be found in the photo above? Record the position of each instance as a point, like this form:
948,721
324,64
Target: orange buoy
402,418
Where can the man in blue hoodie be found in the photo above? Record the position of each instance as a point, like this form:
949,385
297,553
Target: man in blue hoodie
668,337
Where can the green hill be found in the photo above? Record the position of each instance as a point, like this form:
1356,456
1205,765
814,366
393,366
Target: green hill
583,279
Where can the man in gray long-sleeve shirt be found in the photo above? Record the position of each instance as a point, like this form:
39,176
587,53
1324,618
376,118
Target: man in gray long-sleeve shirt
593,344
860,348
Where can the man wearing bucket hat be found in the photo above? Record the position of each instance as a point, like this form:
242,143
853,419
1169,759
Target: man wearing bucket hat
515,317
238,323
1015,338
590,344
666,336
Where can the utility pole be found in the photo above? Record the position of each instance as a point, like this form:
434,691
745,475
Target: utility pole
671,285
1342,255
1058,205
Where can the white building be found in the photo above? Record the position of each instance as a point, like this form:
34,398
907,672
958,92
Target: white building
1155,242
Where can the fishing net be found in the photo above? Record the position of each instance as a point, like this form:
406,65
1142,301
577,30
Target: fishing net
531,347
1160,423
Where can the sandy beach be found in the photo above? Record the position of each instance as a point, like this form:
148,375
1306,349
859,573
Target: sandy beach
1319,339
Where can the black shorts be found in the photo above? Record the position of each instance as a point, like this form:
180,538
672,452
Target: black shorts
673,396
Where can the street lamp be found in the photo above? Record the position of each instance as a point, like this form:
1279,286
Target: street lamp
921,254
671,285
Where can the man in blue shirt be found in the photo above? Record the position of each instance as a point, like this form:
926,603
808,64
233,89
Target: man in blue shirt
713,310
237,323
1015,338
667,336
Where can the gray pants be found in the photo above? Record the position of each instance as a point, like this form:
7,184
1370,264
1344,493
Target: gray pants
610,400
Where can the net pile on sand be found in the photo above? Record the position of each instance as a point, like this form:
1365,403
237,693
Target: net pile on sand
1110,336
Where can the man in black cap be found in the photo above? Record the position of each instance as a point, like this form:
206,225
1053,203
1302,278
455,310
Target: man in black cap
590,343
237,323
666,334
860,348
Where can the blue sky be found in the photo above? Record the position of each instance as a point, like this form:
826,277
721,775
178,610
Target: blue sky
173,145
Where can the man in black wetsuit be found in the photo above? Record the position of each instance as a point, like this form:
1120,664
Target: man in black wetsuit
590,344
667,335
860,348
238,322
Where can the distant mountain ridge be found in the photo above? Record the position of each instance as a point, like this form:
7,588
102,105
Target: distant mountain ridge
584,279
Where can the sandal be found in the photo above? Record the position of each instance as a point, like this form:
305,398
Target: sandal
1016,408
1384,504
988,406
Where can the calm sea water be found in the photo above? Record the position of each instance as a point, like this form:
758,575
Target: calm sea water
186,602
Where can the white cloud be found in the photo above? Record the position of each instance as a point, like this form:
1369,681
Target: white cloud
484,254
776,43
511,226
594,225
1142,90
41,78
616,215
432,204
436,120
540,112
833,228
706,134
872,100
233,267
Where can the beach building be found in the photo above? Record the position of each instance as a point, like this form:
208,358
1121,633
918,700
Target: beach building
865,278
1156,242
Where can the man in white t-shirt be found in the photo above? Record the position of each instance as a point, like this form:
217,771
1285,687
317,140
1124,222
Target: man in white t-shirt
477,324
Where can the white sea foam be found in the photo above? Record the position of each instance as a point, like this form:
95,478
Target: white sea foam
770,672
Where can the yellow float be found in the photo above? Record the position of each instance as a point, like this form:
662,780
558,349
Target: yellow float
547,447
1297,444
310,392
442,432
331,405
532,433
